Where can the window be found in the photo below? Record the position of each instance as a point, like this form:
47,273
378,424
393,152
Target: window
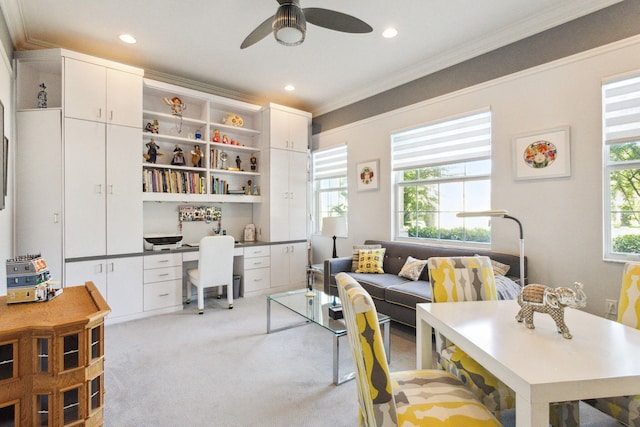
330,183
621,128
441,169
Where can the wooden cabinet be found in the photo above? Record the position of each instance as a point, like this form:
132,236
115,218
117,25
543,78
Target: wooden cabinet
39,183
98,93
289,265
118,279
162,282
103,212
52,360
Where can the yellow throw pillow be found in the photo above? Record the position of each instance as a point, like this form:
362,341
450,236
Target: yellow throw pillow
370,260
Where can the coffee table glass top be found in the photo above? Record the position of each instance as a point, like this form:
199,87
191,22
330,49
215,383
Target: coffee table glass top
314,306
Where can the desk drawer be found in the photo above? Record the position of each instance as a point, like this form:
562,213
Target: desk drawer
256,251
162,274
162,260
260,262
257,279
162,294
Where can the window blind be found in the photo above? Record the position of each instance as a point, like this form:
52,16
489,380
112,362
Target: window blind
330,163
621,110
459,139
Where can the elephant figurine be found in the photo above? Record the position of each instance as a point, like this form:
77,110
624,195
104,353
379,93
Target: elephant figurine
544,299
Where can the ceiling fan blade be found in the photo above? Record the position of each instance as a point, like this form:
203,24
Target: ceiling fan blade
335,20
261,31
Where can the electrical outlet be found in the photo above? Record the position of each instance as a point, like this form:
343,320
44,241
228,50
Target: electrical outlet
611,307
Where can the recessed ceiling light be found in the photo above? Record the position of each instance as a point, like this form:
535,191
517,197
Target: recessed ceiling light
289,88
127,38
389,33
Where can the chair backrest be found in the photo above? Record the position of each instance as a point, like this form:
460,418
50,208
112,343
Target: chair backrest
375,395
629,304
462,279
215,265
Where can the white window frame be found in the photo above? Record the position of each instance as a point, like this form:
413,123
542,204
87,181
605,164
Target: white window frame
440,143
620,125
328,164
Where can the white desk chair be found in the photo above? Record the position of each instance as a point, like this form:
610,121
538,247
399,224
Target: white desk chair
215,268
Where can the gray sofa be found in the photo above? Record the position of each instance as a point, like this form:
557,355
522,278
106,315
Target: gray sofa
396,296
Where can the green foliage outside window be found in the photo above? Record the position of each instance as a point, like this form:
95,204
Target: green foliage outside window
625,198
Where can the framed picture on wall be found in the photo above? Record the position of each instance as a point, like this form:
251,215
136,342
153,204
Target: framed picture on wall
542,154
368,177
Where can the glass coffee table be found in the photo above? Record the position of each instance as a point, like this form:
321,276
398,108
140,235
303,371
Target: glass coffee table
313,306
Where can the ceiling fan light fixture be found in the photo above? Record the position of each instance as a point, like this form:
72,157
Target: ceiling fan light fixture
289,24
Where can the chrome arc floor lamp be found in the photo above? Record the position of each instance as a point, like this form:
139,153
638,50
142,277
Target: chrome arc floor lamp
501,214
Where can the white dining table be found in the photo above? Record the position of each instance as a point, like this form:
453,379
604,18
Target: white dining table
602,359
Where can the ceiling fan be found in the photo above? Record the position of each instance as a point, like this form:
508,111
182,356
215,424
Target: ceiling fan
289,24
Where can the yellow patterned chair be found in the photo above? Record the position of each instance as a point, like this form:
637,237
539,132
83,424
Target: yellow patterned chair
409,398
626,409
472,279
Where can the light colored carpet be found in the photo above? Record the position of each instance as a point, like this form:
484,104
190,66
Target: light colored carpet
222,369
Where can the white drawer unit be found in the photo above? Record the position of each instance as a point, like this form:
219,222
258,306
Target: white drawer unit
257,279
257,251
258,262
162,281
162,294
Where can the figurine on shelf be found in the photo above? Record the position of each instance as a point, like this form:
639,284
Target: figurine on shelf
42,96
196,157
216,135
178,156
254,162
152,152
151,127
225,139
198,134
238,162
247,189
176,104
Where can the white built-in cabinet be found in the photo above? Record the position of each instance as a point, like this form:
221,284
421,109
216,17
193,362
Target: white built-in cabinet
119,280
284,215
288,265
39,177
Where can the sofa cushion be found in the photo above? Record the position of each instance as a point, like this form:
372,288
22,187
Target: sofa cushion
376,284
409,293
412,268
356,254
371,261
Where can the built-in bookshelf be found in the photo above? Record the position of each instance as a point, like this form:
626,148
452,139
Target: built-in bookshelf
198,147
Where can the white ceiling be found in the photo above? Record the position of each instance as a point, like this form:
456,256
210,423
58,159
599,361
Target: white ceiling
200,40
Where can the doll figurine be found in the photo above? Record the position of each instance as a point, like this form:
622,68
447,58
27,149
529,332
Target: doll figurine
216,135
178,156
196,157
152,152
254,162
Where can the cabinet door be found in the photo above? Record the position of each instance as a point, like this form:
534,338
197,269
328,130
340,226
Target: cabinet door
279,198
84,175
278,129
76,273
298,265
124,98
280,265
124,195
298,133
84,90
125,288
297,195
39,186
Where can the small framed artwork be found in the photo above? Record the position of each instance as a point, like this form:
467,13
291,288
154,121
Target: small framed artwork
543,154
368,177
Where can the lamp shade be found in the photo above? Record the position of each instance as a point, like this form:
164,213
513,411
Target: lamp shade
334,226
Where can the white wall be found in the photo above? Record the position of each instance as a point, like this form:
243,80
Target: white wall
562,217
6,215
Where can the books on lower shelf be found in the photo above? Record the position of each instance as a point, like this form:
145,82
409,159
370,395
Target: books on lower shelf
173,181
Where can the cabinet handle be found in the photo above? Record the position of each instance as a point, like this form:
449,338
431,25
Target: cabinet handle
98,268
164,274
292,249
110,188
55,218
110,267
291,195
257,263
99,113
163,260
111,115
99,188
257,280
286,195
163,295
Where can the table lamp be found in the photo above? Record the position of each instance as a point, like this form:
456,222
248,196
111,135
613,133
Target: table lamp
501,214
334,226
